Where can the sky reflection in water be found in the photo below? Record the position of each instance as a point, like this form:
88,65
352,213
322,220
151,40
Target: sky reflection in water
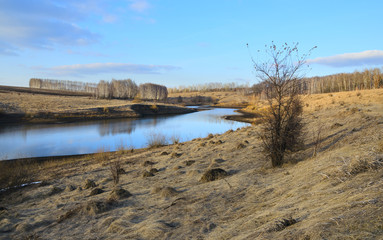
88,137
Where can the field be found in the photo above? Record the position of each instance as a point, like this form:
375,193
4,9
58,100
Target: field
330,189
45,106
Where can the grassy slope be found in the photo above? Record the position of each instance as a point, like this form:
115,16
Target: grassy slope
334,195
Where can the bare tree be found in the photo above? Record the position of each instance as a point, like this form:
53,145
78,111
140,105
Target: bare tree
150,91
281,76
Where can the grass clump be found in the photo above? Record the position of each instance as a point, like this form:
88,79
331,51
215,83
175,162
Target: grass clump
119,193
156,140
89,184
116,170
146,174
175,139
102,156
213,174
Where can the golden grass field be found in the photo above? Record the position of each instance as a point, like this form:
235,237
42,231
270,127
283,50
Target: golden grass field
335,194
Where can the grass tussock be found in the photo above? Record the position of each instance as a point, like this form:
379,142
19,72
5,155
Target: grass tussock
116,170
351,166
156,140
213,174
102,156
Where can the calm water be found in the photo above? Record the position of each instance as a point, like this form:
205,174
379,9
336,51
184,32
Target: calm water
88,137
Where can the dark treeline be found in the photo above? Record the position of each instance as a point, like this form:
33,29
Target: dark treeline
368,79
64,85
120,89
210,87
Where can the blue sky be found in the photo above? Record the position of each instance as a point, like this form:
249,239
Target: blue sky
180,42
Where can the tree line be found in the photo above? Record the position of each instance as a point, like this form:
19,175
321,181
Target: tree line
64,85
119,89
210,87
367,79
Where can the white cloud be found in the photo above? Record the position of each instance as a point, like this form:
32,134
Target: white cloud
370,57
139,5
99,68
40,24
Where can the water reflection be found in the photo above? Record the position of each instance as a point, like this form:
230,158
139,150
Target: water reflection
88,137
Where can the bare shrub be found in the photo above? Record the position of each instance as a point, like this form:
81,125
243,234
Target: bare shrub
281,123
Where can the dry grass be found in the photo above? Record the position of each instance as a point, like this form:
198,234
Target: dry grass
34,103
13,174
156,140
336,194
116,170
102,156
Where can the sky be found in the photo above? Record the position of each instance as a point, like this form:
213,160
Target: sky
181,43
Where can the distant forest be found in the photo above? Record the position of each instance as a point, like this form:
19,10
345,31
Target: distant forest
128,89
119,89
368,79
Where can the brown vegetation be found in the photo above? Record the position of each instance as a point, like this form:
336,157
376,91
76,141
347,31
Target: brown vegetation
336,194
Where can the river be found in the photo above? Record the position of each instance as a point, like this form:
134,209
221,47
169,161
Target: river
42,140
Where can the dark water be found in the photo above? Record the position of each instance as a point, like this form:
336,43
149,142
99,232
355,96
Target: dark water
89,137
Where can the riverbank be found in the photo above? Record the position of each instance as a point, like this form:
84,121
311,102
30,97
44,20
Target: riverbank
24,105
333,194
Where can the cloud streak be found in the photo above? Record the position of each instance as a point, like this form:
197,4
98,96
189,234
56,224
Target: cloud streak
370,57
40,25
101,68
